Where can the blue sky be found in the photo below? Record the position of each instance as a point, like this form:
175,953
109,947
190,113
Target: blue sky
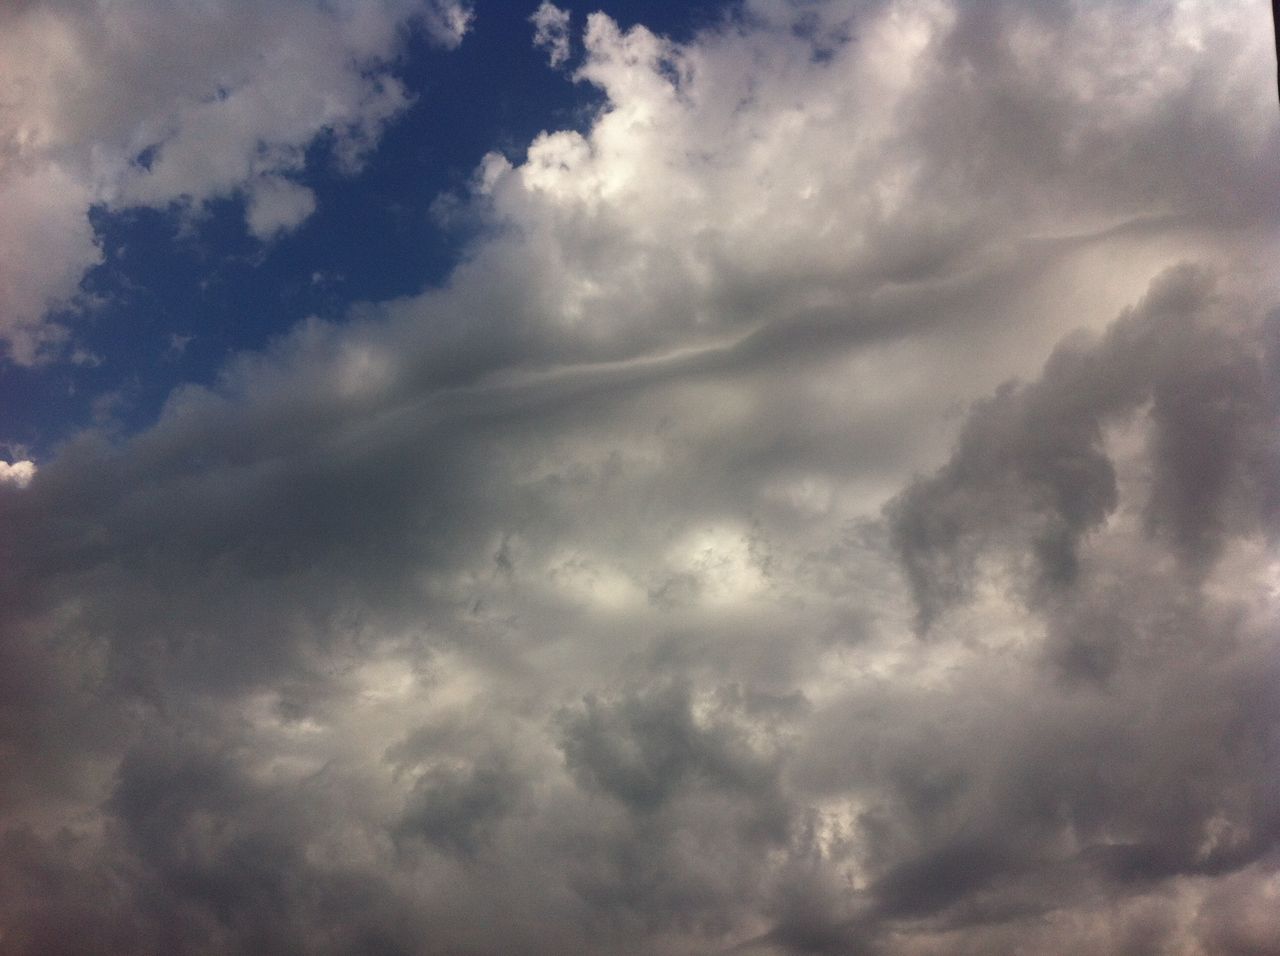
773,477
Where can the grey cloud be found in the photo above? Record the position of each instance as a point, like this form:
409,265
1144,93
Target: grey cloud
454,810
555,610
645,747
971,822
197,857
1031,466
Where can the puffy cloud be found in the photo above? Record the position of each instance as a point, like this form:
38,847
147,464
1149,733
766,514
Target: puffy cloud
275,205
18,473
573,606
124,104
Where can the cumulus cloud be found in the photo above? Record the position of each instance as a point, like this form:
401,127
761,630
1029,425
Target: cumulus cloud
126,104
276,204
18,473
831,508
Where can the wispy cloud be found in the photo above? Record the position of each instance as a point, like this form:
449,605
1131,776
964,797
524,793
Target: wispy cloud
551,32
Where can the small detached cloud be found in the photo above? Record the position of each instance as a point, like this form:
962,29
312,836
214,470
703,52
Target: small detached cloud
276,205
448,21
17,473
551,32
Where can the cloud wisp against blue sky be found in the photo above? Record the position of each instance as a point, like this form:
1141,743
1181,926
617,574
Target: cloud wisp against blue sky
759,477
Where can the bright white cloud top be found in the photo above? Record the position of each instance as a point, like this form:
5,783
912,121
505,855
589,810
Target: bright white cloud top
832,507
18,473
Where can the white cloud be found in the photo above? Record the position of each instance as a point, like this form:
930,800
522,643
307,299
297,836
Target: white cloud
276,204
551,32
17,473
448,21
46,242
217,96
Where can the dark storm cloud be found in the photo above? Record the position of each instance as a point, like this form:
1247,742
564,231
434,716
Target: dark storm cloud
454,810
197,856
647,746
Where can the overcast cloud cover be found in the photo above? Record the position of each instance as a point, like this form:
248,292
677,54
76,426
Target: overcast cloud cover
832,507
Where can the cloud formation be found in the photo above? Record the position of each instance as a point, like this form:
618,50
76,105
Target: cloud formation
1032,470
551,32
128,104
19,473
831,508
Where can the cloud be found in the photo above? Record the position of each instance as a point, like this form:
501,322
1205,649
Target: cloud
18,473
448,21
645,747
576,605
127,104
551,32
1032,464
276,205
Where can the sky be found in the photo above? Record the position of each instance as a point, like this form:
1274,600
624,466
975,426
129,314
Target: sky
763,477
